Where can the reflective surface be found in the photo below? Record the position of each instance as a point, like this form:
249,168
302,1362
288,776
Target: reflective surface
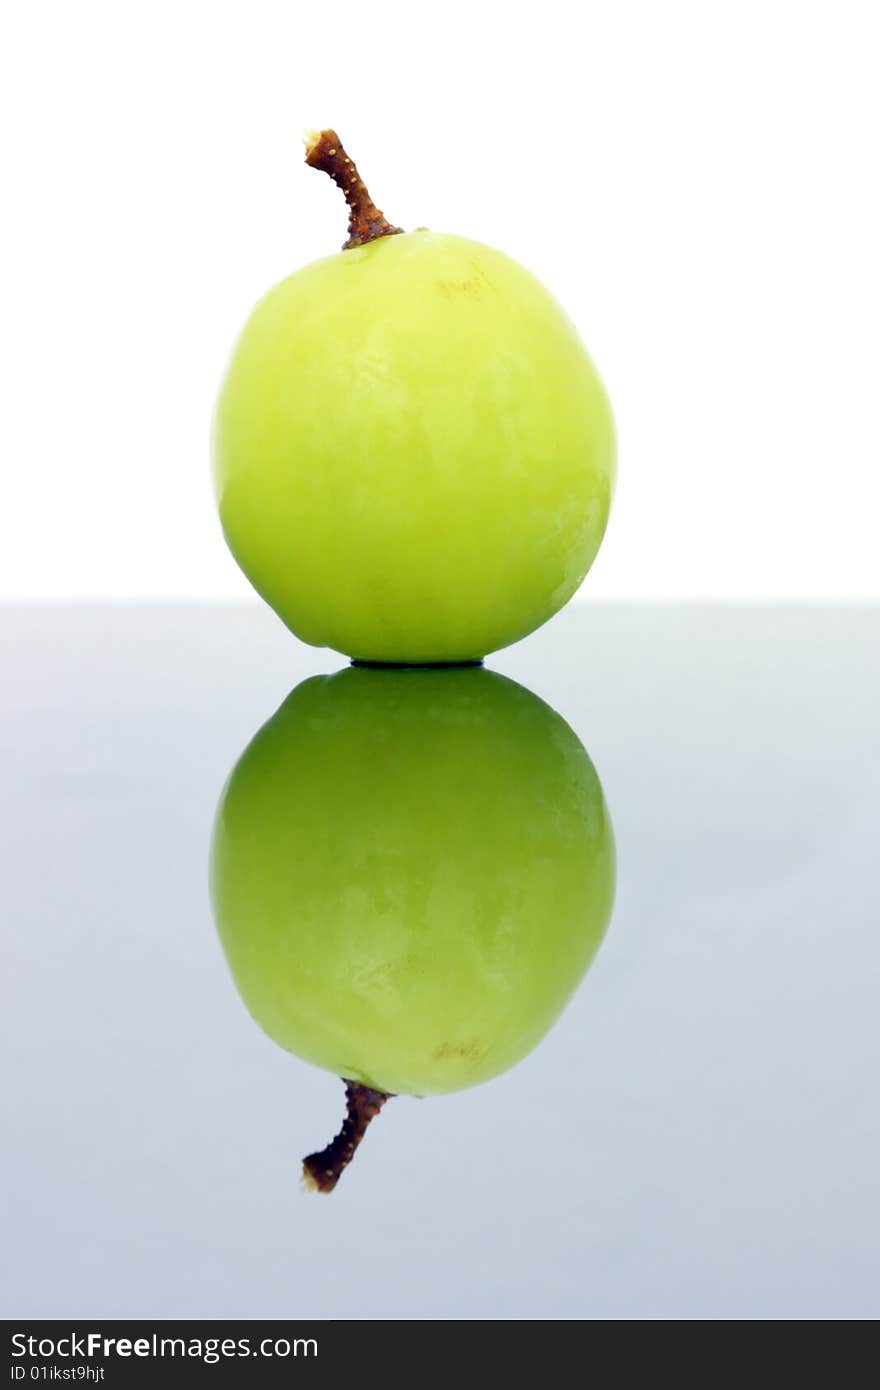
696,1137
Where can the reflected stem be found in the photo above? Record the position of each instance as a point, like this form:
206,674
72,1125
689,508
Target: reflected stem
322,1171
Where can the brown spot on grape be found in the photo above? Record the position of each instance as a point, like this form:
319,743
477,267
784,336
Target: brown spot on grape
451,289
466,1051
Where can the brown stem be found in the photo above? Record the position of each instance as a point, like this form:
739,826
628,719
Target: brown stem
322,1171
365,222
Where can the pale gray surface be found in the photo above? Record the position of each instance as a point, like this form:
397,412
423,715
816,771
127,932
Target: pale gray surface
697,1138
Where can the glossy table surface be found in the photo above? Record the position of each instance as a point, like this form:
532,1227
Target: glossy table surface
697,1137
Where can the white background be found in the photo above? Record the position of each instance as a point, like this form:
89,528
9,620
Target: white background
697,182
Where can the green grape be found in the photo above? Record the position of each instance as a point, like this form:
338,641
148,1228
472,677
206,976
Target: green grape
414,457
411,871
